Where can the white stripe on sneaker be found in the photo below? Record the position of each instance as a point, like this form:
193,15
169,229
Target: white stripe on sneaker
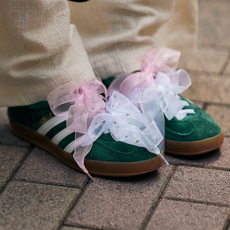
61,135
48,125
51,123
70,147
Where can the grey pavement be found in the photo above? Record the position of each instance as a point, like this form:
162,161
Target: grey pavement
37,191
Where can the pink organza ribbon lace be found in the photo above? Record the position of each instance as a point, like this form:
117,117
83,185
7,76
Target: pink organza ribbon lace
80,103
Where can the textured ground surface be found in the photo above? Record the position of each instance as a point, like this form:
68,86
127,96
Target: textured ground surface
39,192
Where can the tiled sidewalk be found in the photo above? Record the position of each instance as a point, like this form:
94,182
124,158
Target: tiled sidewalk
39,192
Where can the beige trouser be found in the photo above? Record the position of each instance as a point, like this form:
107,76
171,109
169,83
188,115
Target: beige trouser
40,49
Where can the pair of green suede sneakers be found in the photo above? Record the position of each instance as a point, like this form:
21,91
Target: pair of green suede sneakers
193,135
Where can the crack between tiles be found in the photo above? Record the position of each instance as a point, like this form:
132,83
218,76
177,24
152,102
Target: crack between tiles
74,202
156,203
215,103
205,105
48,183
67,210
161,197
87,228
14,171
227,223
225,64
201,167
187,200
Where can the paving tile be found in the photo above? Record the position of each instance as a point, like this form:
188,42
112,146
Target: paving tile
220,114
214,23
219,158
34,206
8,138
118,203
205,59
42,167
11,158
206,88
199,184
184,215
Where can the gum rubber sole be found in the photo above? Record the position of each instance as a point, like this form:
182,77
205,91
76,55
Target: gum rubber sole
195,147
100,168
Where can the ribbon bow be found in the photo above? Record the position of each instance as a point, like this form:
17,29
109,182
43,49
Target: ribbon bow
125,123
80,103
165,89
154,62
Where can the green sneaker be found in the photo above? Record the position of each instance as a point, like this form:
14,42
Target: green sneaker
38,125
155,90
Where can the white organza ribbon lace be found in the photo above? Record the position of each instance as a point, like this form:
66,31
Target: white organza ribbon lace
126,124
